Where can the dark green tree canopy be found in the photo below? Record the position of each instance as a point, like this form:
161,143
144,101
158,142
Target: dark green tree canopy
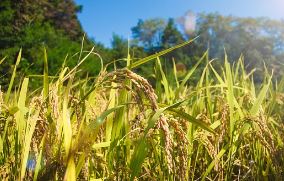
171,35
34,24
148,33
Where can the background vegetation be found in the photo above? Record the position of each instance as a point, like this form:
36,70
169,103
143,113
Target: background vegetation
32,25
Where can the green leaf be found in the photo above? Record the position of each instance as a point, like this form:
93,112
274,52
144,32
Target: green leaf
164,80
154,56
13,76
100,120
80,164
216,159
1,61
13,110
230,94
261,96
39,158
45,78
70,174
191,71
31,124
101,145
93,127
191,119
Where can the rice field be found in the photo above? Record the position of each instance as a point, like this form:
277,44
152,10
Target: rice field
118,126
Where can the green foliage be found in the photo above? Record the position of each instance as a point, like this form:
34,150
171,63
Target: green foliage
171,35
34,25
148,33
259,40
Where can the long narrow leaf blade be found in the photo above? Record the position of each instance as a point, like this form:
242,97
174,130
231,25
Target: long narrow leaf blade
154,56
13,77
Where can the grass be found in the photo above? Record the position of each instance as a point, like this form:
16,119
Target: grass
118,127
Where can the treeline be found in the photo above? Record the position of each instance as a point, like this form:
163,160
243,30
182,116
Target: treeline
32,25
259,40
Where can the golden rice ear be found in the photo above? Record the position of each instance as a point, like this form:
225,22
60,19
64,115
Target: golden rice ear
142,85
180,144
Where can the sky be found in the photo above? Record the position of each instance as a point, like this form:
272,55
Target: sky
102,18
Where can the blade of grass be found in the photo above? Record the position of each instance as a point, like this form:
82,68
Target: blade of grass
20,120
175,73
191,119
82,61
45,77
13,77
230,94
93,127
217,158
189,74
39,158
70,174
31,124
154,56
261,96
66,122
110,119
2,60
164,81
80,164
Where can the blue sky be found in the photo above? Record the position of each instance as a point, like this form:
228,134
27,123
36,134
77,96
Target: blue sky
101,18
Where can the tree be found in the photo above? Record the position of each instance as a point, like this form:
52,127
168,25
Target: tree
260,40
119,47
148,33
171,35
33,25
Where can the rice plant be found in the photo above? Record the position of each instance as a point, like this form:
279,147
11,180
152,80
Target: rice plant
116,126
